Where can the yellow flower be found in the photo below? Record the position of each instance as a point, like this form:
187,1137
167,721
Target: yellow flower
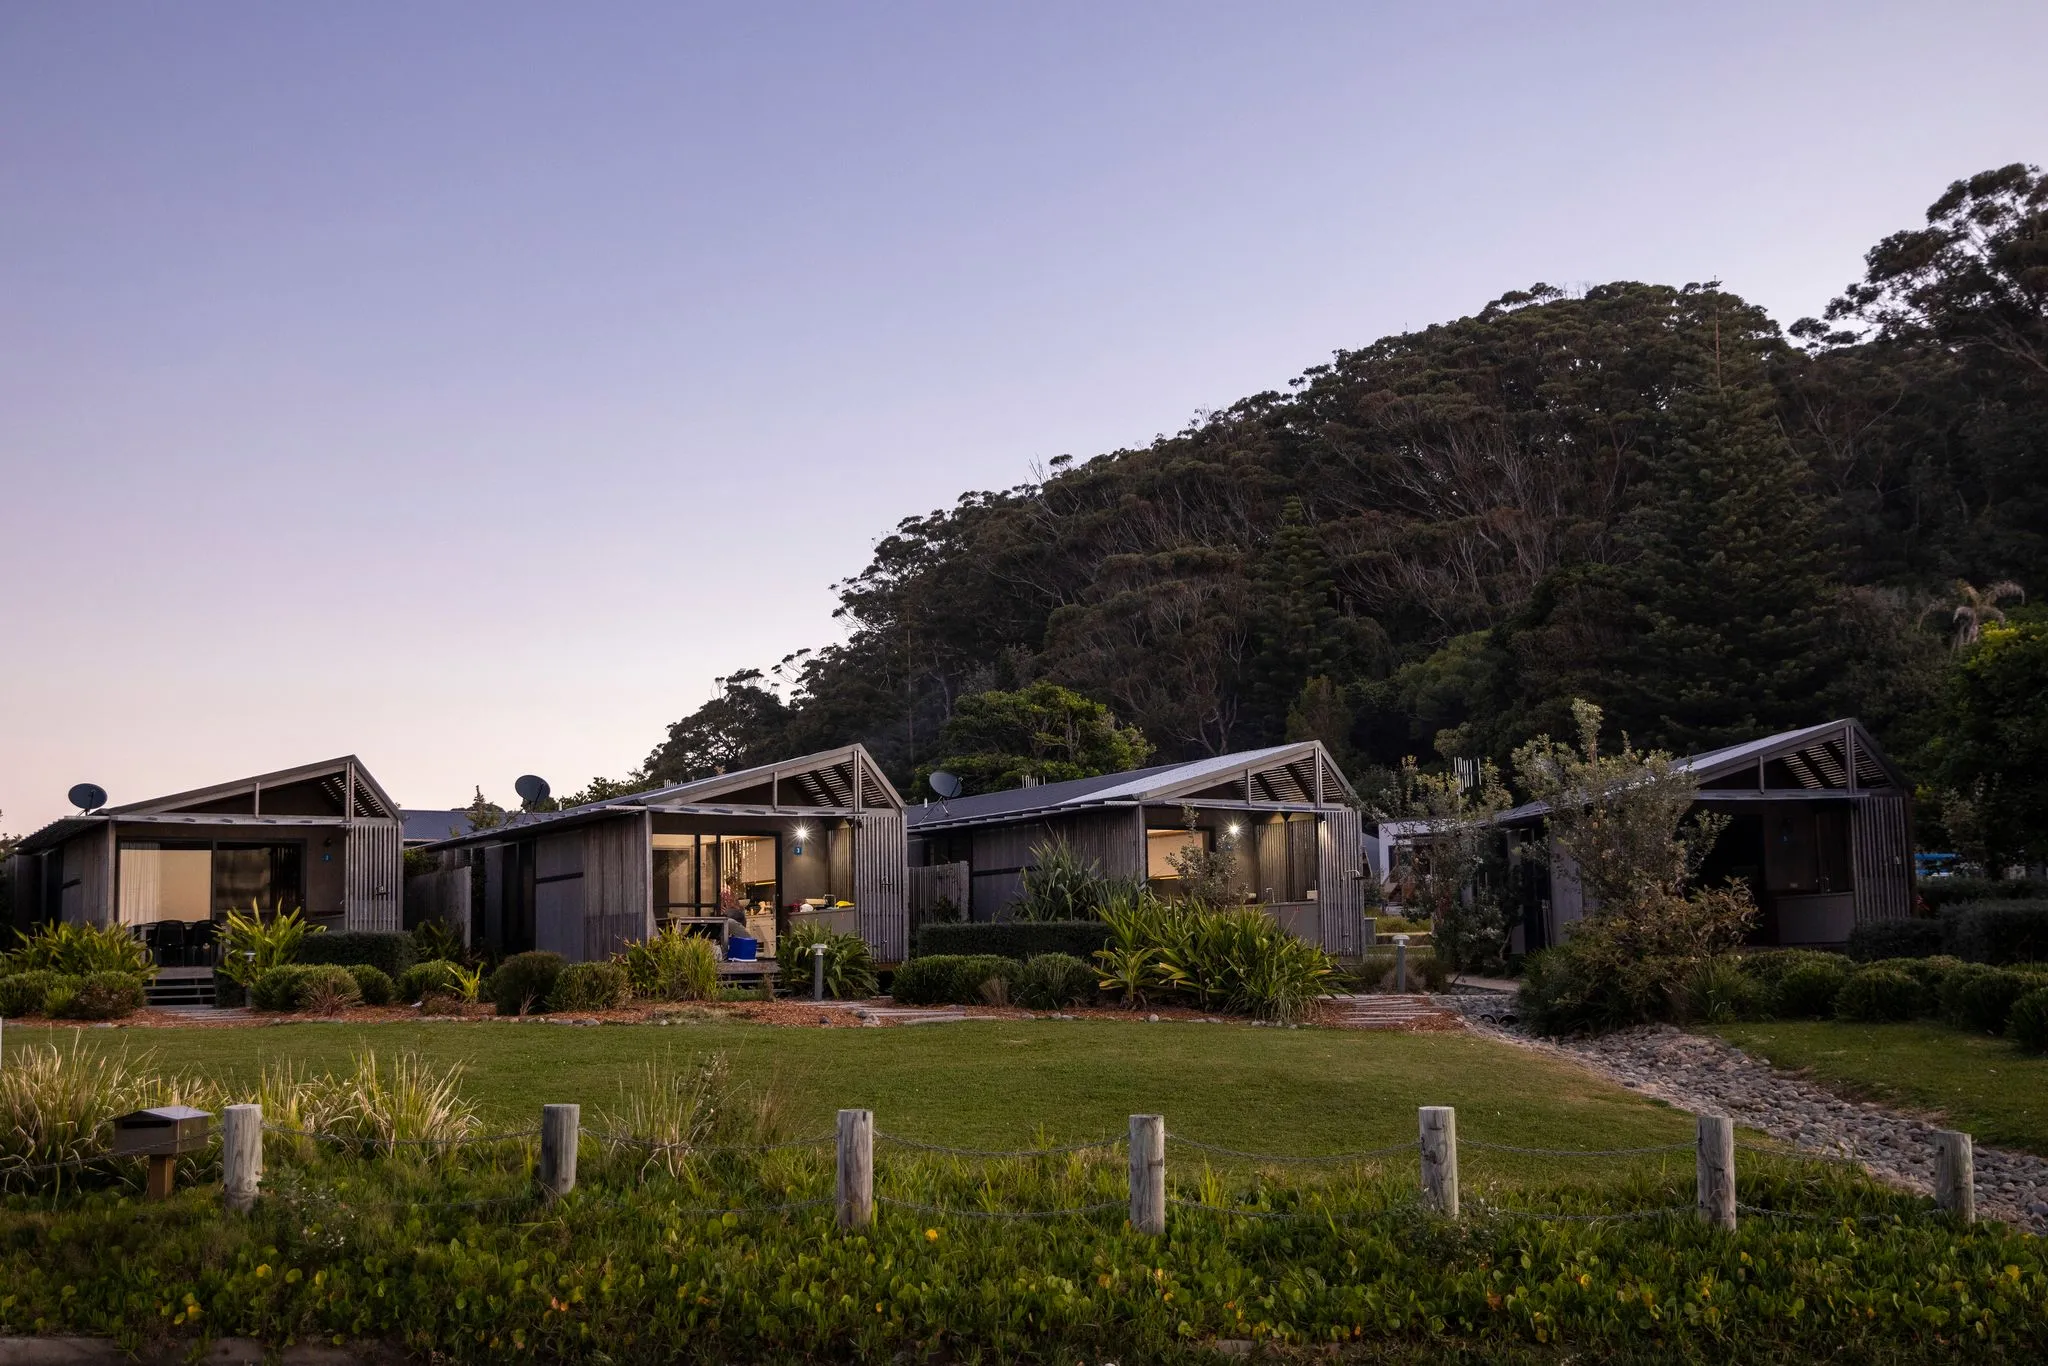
931,1235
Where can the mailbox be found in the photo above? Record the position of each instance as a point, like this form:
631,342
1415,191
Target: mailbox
165,1131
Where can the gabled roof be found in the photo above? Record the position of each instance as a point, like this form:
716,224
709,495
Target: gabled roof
1817,758
331,773
333,776
846,780
1280,776
427,826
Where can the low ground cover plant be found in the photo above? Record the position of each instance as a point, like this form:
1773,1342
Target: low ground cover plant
319,988
78,972
442,1249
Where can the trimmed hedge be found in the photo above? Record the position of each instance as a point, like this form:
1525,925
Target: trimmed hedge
305,986
1998,931
954,979
23,993
1809,990
1917,937
2027,1026
105,996
590,986
1979,998
524,982
1878,994
374,983
1940,892
390,954
1019,939
435,977
1054,981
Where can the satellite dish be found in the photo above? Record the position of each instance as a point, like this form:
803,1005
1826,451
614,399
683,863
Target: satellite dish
945,784
88,796
531,789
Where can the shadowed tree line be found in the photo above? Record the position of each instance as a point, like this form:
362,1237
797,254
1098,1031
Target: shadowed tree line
1647,496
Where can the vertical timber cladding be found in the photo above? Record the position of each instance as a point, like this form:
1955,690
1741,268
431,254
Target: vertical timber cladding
372,882
1340,891
880,872
558,894
1882,847
617,864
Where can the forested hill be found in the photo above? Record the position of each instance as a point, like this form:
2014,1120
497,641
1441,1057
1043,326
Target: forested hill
1646,495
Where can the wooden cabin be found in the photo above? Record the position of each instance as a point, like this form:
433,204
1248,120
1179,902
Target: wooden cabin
323,837
1287,811
1820,827
815,840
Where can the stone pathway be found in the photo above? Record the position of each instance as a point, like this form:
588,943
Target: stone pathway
1708,1075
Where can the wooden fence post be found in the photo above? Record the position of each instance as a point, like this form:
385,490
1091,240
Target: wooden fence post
1148,1173
856,1168
1716,1170
1440,1159
558,1134
1955,1175
241,1156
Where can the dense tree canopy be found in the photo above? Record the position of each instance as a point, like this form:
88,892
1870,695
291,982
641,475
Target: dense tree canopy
1041,733
1642,495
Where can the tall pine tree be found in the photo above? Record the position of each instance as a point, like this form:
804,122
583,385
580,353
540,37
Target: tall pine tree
1728,581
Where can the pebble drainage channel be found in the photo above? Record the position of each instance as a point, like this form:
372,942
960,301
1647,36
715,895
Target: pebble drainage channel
1708,1075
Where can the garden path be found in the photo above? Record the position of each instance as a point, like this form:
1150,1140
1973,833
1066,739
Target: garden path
1715,1077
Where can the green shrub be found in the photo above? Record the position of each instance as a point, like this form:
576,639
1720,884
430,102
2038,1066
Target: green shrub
1912,937
1978,998
253,944
849,966
391,953
1942,892
673,965
436,977
1999,932
374,983
1583,987
1767,967
1930,973
1059,885
1808,990
1878,994
77,950
322,988
590,986
2027,1025
523,982
278,987
1053,981
1237,959
926,981
433,939
23,993
1013,938
105,996
1717,990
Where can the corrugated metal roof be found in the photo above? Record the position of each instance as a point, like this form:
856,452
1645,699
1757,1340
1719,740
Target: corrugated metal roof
435,825
1132,785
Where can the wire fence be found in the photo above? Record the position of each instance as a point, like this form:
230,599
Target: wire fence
856,1199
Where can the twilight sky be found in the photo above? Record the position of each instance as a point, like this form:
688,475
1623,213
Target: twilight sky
467,386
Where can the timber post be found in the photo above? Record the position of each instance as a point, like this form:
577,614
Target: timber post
856,1168
1955,1175
1439,1125
1716,1170
559,1125
241,1156
1148,1173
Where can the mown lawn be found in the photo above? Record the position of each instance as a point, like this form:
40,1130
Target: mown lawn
1001,1084
1981,1084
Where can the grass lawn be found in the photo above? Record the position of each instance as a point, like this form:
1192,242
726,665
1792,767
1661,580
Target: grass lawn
1002,1084
1982,1084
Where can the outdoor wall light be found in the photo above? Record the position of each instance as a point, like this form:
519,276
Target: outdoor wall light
1235,830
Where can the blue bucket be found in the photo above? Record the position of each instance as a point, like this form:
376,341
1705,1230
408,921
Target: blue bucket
741,948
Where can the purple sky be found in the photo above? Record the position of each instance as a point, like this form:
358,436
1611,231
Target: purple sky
467,386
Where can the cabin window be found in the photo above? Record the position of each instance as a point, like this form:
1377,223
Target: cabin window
698,876
1162,845
191,881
